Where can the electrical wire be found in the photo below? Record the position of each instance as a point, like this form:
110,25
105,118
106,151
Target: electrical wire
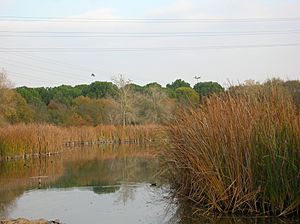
138,20
6,33
143,49
51,61
66,76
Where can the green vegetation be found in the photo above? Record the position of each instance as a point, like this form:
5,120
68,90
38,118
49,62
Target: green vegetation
238,153
120,102
208,88
232,151
187,96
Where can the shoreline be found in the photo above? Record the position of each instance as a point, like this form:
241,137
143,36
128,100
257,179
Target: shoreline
26,221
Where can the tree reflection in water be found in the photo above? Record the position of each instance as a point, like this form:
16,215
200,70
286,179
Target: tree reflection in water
98,167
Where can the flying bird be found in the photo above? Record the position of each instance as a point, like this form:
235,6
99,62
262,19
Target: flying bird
93,75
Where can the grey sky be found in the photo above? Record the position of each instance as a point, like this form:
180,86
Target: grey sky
177,49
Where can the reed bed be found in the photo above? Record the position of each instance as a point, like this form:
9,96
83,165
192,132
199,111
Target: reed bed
238,153
36,139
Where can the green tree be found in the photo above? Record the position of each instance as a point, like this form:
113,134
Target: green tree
171,88
98,90
65,94
35,102
31,95
207,88
178,83
187,96
153,85
46,94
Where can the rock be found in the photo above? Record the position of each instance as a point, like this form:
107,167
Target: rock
153,185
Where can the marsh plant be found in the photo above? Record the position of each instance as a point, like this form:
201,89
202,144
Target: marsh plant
239,153
39,139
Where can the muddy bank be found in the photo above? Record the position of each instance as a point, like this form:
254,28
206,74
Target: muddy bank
25,221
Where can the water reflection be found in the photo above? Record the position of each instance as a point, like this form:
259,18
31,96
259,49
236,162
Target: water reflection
82,205
104,169
103,184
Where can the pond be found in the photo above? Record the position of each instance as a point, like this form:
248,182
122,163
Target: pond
99,184
104,184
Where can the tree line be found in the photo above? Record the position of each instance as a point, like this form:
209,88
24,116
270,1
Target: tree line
119,102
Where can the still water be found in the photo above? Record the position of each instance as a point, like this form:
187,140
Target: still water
104,184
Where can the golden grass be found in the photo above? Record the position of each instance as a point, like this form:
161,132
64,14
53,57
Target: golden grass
32,139
238,153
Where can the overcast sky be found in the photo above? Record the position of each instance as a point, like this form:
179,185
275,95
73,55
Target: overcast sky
65,41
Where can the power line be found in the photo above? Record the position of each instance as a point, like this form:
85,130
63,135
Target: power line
121,33
139,35
29,76
74,67
107,49
146,33
53,62
35,70
42,70
148,20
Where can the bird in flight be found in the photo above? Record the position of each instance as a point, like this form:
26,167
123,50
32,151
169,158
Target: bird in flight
93,75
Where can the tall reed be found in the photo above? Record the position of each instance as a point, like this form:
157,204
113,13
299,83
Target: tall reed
31,139
237,153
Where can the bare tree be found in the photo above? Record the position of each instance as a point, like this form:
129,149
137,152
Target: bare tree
155,106
125,99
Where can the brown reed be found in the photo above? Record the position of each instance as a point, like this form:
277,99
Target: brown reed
30,139
237,153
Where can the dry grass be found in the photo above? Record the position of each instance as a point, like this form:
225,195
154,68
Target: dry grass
238,153
32,139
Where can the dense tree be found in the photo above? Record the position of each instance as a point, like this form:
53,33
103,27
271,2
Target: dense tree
120,102
207,88
64,94
187,96
178,83
99,90
153,85
13,107
23,112
31,95
59,113
92,111
45,94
